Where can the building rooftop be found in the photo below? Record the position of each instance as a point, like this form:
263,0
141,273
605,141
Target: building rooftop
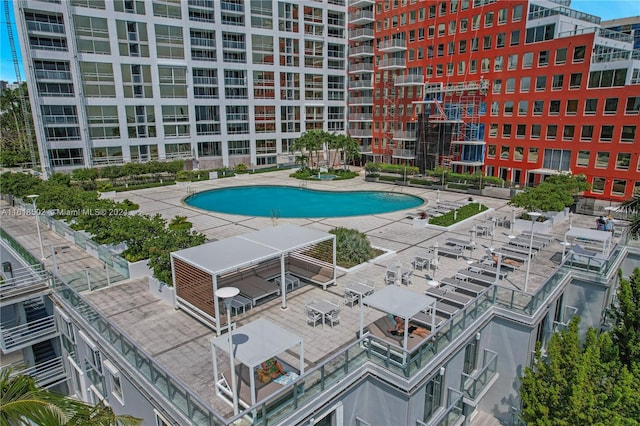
182,345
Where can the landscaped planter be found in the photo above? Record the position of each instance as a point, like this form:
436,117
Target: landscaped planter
521,225
139,269
371,178
162,291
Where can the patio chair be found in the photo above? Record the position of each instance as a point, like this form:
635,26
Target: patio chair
312,316
334,317
308,302
406,278
390,278
350,298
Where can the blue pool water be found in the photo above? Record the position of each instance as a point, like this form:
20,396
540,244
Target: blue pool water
287,201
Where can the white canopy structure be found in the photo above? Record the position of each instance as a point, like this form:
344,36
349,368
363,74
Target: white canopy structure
600,240
253,344
197,270
400,302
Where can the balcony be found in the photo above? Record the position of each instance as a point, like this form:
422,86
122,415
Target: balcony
360,51
17,337
361,34
361,133
409,80
392,64
400,135
365,148
26,283
361,100
476,385
361,117
452,415
361,17
394,45
53,75
407,154
360,84
361,68
46,374
361,3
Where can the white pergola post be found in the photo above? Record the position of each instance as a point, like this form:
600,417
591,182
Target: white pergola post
283,283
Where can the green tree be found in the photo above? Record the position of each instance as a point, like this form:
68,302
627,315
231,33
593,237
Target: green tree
553,194
14,144
351,150
311,141
626,332
352,247
22,402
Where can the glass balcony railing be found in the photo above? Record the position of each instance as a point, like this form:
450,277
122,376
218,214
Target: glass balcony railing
23,281
451,415
190,405
473,384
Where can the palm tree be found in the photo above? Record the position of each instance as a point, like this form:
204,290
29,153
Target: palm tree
632,205
22,402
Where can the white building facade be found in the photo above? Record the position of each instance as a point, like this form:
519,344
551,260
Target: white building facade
224,82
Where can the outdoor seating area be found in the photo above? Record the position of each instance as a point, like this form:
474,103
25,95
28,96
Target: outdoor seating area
354,292
323,311
398,273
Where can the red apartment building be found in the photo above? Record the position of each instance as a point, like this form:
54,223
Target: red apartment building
516,89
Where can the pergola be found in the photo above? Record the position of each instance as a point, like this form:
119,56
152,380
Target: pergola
400,302
196,269
253,344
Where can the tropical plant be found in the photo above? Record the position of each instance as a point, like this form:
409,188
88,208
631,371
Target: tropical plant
632,206
552,195
22,402
352,247
14,144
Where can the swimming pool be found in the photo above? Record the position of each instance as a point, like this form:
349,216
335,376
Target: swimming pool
288,201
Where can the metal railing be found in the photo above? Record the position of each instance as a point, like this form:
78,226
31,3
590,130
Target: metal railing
361,33
392,44
24,280
392,63
23,252
365,15
46,374
401,80
140,361
13,338
472,385
451,415
364,67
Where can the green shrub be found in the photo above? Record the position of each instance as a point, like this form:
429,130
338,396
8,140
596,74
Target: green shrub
352,247
241,168
461,214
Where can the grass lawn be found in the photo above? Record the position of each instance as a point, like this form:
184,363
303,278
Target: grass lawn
461,214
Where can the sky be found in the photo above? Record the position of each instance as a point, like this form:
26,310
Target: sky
606,9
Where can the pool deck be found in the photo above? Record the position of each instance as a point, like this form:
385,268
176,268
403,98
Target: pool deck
182,345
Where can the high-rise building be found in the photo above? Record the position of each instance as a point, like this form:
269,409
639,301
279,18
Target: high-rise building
224,82
518,89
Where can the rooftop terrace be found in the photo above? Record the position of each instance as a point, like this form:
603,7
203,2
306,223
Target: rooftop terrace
180,345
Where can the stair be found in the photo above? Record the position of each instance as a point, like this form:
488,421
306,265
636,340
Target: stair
43,352
34,309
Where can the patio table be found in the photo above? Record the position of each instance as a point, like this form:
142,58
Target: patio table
323,307
359,289
290,281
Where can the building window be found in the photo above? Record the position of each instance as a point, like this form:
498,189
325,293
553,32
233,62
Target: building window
470,357
561,56
572,107
579,53
597,186
508,108
523,108
116,384
606,133
602,160
543,58
511,85
491,150
557,159
590,106
619,187
554,107
568,132
527,60
608,78
493,132
552,131
433,396
623,161
575,81
541,83
504,152
557,82
532,157
633,105
611,106
628,134
525,84
506,130
535,131
538,107
518,153
583,158
587,132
